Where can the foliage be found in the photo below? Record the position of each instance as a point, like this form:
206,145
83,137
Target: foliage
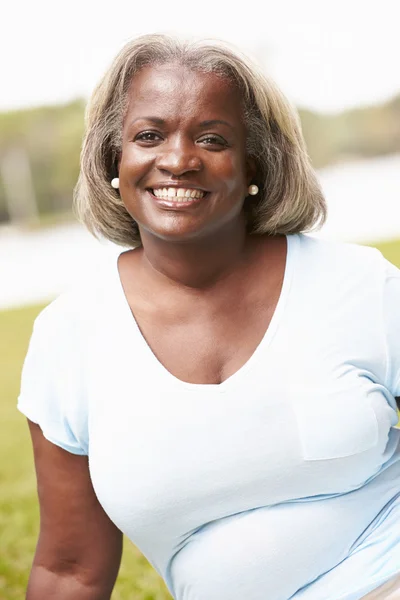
50,137
18,505
353,134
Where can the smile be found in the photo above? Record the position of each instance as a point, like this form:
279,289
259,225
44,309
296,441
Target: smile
178,194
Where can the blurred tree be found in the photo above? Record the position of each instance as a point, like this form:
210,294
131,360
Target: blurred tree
18,190
358,133
49,140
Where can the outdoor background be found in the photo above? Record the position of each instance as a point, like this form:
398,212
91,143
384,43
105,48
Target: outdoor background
336,61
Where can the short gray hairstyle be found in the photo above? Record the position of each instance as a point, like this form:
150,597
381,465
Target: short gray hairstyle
290,199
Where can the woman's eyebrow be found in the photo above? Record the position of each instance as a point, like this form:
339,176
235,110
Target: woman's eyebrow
160,122
212,122
155,120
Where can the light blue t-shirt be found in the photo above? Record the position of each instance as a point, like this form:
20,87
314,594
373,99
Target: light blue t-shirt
283,482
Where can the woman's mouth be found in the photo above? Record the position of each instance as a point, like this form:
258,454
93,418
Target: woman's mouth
174,197
177,194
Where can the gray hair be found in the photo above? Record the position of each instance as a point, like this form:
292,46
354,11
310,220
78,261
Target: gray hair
290,199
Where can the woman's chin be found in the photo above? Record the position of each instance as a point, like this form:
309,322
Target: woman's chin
175,229
185,225
182,236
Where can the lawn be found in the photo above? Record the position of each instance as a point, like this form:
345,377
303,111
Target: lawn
18,505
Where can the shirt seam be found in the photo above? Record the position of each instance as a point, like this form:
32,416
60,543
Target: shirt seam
389,366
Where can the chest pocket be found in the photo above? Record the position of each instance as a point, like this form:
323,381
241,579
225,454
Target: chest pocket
334,423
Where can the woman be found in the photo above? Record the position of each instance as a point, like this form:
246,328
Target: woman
224,392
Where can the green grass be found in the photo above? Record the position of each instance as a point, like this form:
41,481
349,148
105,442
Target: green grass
390,249
18,504
19,516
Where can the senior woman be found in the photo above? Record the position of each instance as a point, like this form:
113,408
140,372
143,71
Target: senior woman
224,392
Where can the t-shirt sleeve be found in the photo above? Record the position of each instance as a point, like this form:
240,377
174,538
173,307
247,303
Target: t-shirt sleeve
52,384
391,316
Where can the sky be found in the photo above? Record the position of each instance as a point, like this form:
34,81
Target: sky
325,55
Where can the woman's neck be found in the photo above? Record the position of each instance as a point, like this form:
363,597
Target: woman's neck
196,264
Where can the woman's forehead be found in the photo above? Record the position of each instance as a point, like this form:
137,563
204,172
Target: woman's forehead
177,88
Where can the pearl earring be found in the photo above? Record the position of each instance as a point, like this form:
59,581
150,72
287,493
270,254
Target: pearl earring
115,183
253,190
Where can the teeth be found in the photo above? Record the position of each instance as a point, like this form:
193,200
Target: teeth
179,193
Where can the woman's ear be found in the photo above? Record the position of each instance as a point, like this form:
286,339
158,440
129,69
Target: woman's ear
251,170
113,164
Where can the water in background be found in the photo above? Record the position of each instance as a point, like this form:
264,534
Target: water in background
363,202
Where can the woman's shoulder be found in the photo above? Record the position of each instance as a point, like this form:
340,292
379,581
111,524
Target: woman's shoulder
54,375
342,258
82,302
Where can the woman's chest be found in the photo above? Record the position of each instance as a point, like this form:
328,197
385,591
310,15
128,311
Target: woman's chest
171,453
206,350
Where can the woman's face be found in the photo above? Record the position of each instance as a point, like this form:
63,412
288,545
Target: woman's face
183,135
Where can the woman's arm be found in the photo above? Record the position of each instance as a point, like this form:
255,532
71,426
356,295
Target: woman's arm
79,548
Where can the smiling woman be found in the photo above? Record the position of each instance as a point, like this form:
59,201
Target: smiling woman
183,151
228,108
224,392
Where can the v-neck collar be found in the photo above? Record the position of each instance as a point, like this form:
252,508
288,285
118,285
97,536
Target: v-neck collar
131,327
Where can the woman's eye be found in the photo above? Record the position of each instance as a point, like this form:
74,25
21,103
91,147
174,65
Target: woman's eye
212,140
148,136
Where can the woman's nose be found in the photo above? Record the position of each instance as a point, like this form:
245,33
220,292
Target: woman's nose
178,158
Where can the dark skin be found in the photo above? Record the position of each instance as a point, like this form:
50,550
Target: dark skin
201,257
196,277
79,549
